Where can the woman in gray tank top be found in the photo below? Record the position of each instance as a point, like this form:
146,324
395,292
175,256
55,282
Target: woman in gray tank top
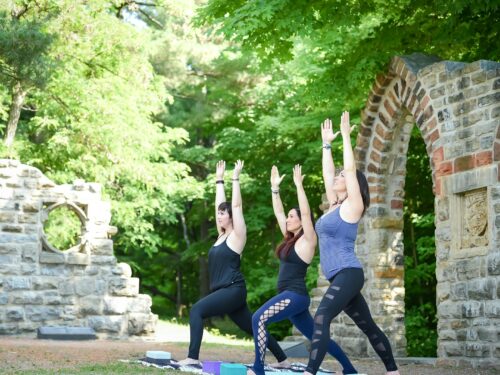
348,197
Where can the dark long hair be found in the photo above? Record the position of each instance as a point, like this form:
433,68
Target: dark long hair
290,238
364,189
226,206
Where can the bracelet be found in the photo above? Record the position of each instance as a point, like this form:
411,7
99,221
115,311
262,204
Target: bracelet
219,181
327,146
275,191
235,179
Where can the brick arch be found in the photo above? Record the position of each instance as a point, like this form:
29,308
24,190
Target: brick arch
455,106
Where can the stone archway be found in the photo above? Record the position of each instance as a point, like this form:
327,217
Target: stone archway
456,107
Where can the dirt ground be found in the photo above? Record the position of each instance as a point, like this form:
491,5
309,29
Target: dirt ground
22,354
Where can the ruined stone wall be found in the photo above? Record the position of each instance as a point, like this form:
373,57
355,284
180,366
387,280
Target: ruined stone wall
41,285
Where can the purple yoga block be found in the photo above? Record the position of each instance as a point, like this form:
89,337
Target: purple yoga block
212,367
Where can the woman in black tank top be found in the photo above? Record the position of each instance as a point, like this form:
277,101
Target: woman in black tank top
295,253
227,286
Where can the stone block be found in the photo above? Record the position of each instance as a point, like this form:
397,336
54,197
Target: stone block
356,347
32,206
30,252
92,270
122,269
103,260
9,248
12,228
489,99
91,305
102,247
116,305
124,286
52,258
489,334
448,309
494,264
14,314
474,349
84,286
29,268
45,283
468,268
66,287
492,309
472,309
10,269
113,324
480,289
28,218
458,291
4,298
52,297
78,258
447,334
59,270
141,304
454,349
8,328
8,217
141,323
27,298
17,283
42,313
70,313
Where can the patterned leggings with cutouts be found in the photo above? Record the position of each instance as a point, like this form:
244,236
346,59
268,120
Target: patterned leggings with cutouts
344,294
295,307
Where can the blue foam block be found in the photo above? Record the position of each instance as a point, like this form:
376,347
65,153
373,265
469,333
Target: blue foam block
232,369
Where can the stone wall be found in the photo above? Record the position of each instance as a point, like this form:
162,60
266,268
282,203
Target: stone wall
456,107
41,285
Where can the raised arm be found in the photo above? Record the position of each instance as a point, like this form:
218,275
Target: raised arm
279,212
354,201
305,210
220,195
328,136
239,238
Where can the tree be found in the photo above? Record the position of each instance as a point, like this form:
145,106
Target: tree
24,60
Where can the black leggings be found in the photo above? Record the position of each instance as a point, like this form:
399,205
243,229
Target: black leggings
230,301
344,294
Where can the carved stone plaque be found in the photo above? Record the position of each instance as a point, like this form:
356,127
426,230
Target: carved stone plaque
474,219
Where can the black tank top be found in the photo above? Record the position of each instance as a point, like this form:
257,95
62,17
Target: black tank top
223,267
292,273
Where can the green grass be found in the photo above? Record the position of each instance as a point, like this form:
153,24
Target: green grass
120,368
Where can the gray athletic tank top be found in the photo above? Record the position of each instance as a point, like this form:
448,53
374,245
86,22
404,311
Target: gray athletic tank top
336,243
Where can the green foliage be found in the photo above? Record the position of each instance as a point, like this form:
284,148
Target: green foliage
24,51
420,324
420,249
63,228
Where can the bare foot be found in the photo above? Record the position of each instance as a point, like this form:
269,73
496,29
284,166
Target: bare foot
250,371
282,364
392,373
188,361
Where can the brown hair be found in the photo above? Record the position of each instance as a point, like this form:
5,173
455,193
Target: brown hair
289,241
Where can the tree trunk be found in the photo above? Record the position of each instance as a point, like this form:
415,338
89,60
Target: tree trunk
178,303
18,95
